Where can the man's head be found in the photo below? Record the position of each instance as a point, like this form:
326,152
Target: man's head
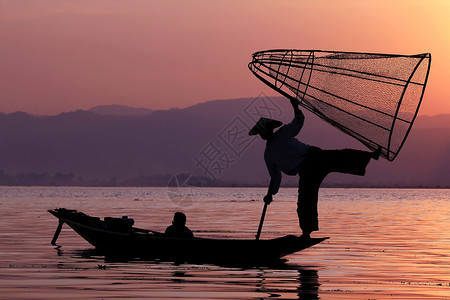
264,127
179,219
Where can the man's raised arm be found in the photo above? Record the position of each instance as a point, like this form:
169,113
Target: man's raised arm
293,128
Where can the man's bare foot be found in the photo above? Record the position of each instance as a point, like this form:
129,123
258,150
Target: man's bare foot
376,154
305,236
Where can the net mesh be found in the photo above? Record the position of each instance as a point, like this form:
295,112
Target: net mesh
372,97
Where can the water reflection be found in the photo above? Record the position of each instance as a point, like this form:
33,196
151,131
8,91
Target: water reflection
309,284
384,244
282,279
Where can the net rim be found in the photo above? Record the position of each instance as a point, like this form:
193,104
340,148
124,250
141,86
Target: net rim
384,55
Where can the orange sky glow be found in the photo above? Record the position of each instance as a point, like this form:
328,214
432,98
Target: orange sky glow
59,56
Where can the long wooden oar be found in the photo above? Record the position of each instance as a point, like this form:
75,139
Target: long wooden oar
261,221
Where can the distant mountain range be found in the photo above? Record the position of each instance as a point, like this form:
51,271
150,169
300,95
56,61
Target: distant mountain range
206,143
120,110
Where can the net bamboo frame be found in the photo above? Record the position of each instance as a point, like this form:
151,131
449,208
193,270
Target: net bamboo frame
372,97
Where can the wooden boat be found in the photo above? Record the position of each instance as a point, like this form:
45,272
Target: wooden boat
118,237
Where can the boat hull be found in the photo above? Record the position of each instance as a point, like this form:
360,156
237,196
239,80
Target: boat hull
140,243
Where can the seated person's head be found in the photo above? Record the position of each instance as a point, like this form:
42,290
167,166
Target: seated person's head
179,219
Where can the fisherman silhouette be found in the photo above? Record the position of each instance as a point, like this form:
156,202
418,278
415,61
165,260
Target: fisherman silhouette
178,228
284,153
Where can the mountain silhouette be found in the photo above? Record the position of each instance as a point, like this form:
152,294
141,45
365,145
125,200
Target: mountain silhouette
120,110
208,140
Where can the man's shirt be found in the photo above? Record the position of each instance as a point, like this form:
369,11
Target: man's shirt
284,153
177,232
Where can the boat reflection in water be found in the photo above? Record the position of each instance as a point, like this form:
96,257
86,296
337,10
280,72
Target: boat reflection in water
276,280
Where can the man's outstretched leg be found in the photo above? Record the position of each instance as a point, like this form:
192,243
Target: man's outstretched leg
316,166
348,161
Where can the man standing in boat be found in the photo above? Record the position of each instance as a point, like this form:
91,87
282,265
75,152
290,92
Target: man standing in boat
284,153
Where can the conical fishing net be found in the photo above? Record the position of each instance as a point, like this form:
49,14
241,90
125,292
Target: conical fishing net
372,97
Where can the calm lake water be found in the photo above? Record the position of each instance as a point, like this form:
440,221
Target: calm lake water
384,244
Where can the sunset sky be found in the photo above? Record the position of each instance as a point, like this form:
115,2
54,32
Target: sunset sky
59,56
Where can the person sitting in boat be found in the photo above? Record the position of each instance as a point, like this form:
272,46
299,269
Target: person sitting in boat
284,153
178,228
